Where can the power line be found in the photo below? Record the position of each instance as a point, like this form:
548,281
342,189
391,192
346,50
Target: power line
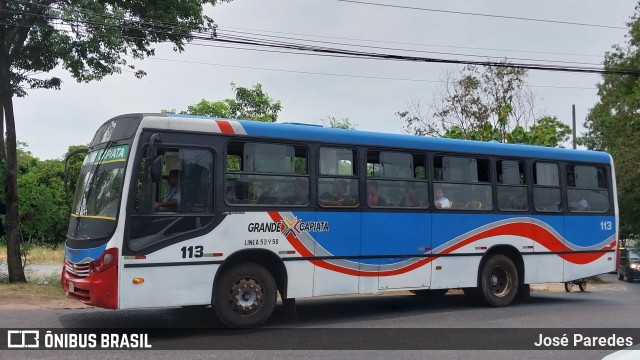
221,35
342,75
324,51
298,39
485,15
179,26
410,43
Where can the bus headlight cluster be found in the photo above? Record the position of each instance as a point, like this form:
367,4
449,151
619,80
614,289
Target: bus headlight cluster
634,266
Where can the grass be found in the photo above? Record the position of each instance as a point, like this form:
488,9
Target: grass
39,254
48,286
41,286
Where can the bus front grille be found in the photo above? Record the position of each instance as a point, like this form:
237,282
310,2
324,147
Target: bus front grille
79,270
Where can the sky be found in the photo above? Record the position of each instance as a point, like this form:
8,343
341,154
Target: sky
50,121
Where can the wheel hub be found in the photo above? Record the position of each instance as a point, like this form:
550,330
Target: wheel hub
494,280
246,296
500,281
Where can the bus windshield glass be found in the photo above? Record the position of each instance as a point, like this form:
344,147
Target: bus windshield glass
98,191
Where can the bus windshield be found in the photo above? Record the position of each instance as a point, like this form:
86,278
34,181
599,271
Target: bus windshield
98,191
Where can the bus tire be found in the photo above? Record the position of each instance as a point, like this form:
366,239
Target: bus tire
498,281
245,296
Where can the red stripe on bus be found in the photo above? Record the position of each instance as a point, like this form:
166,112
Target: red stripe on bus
528,230
302,250
225,127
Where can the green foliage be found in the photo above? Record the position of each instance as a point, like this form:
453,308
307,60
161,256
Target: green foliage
90,40
44,204
96,39
613,124
249,104
220,108
343,123
546,131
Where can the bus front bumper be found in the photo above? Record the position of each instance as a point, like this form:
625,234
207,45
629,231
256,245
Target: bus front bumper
97,289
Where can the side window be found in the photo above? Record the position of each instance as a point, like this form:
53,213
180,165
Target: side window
512,185
462,183
338,178
546,187
266,174
188,185
587,188
396,179
179,205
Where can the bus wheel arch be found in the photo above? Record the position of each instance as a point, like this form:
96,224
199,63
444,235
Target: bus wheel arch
265,258
502,263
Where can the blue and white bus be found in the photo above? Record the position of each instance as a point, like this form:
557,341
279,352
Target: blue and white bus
258,210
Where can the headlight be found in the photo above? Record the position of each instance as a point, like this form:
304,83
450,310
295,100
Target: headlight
634,266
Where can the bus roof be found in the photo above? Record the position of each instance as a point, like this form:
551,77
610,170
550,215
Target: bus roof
360,137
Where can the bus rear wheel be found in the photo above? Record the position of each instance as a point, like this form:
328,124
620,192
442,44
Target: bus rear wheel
245,296
498,281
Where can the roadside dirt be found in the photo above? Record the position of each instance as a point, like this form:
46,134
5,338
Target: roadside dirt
29,302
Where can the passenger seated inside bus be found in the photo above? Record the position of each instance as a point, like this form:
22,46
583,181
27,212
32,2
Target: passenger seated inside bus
172,196
410,198
441,202
577,202
340,196
299,195
268,196
240,192
372,193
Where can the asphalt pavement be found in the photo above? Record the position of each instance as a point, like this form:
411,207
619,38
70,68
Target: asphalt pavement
614,306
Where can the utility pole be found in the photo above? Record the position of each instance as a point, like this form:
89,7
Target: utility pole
573,110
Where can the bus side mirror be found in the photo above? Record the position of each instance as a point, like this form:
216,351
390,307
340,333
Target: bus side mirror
66,168
153,144
156,169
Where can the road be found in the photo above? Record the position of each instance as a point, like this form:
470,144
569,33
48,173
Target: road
607,306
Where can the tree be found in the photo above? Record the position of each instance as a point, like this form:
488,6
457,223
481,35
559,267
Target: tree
87,38
475,103
343,123
493,104
613,126
249,104
44,204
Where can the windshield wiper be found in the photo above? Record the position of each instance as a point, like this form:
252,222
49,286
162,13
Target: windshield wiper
92,172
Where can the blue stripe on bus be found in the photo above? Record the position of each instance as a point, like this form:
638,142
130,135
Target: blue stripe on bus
379,233
81,255
357,137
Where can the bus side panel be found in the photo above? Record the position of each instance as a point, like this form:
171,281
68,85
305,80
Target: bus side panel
589,233
167,286
455,272
541,268
391,234
339,247
300,274
463,239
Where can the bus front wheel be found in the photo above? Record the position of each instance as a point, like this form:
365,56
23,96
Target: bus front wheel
498,281
245,296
